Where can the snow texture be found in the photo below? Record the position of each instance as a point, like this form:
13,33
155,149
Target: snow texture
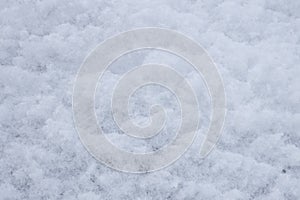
256,47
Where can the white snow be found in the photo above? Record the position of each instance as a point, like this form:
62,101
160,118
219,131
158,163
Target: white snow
256,47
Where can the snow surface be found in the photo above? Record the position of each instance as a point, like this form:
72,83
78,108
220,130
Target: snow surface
256,46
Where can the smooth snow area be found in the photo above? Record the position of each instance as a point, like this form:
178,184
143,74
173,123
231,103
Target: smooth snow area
256,47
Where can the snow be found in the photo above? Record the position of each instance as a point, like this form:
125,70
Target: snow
256,47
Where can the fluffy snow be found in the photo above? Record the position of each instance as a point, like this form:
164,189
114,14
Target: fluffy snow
256,47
